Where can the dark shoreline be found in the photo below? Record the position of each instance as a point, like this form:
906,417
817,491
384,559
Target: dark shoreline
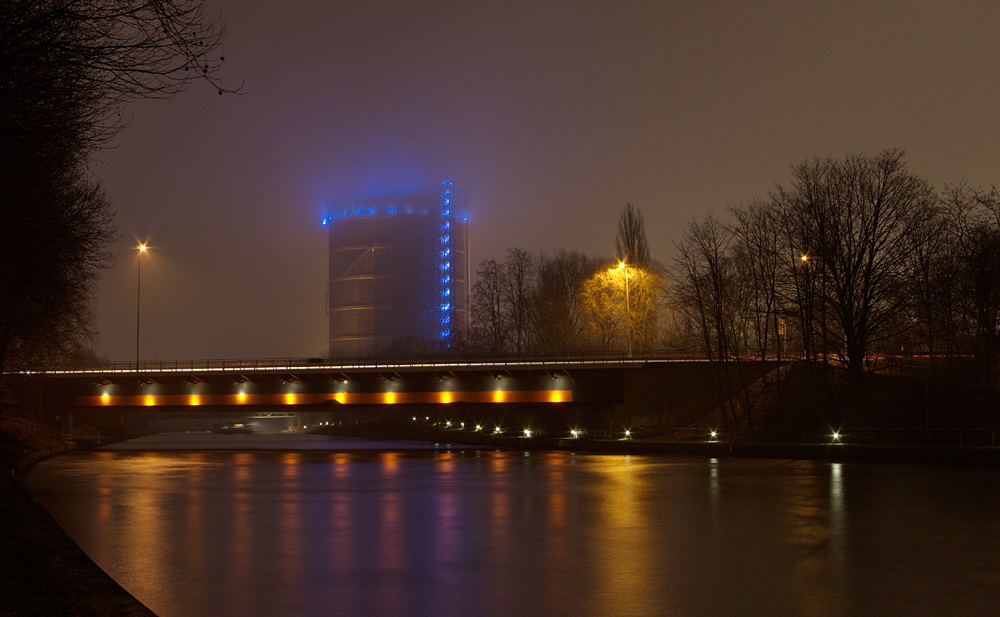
51,574
834,453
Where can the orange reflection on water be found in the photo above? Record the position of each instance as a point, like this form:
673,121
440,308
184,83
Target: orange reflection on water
344,544
293,536
290,468
499,464
559,549
239,530
446,462
390,463
810,531
144,523
627,559
556,499
340,464
105,505
390,540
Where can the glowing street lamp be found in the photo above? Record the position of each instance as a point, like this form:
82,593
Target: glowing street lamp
806,258
138,297
628,311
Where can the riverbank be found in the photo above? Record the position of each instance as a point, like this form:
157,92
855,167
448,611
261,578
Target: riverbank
830,452
43,572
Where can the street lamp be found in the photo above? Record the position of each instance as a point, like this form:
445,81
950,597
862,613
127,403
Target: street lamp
808,342
138,297
813,297
628,310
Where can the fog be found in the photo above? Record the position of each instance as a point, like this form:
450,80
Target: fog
551,116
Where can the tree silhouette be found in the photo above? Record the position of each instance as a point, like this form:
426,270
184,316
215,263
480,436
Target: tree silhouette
67,67
630,243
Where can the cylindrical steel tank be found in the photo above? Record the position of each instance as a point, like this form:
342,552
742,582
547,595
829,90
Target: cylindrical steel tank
399,272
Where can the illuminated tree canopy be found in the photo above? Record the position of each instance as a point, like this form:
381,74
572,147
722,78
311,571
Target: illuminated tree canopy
623,307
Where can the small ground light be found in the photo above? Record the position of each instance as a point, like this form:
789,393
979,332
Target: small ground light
575,433
527,433
628,434
479,427
714,434
836,436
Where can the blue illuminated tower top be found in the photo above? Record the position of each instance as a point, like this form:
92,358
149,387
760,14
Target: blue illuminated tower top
399,270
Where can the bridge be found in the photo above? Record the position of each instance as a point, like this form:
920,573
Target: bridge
620,385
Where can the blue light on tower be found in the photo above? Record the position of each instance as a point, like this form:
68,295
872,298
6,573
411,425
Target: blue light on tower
444,265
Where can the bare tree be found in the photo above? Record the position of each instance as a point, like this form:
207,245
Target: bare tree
557,313
854,223
488,316
703,280
931,283
971,267
706,291
67,67
50,254
630,243
518,289
758,254
104,53
501,305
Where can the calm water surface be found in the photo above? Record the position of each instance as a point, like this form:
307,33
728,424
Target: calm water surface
334,529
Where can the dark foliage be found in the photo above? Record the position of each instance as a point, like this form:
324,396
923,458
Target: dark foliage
66,69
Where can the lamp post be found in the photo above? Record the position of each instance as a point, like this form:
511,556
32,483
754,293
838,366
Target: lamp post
820,297
628,310
138,297
808,344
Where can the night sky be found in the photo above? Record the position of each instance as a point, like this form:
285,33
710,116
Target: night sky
551,115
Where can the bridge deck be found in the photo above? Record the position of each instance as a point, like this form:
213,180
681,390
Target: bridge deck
316,382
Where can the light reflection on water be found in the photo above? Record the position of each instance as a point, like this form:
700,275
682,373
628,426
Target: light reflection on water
510,533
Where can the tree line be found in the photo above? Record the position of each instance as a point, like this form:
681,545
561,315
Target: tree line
67,69
568,302
854,259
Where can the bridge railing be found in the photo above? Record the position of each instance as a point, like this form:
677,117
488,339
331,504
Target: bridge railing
85,431
80,430
370,361
457,359
448,359
33,427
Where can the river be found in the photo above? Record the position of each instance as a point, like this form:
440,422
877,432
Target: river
299,526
